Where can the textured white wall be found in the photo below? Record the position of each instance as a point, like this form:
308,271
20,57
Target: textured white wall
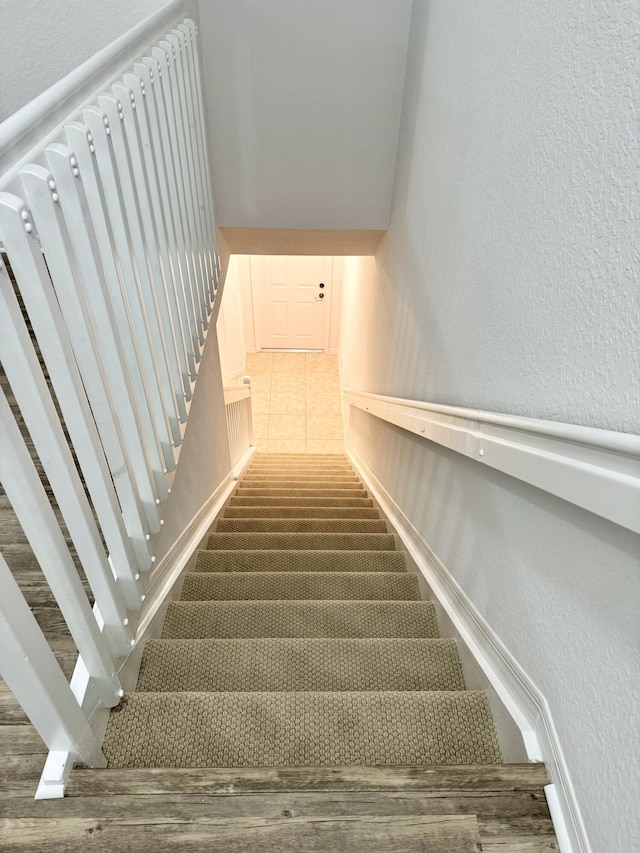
514,262
204,456
41,42
508,281
304,105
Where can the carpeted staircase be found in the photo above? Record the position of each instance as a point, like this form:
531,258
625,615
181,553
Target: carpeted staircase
300,640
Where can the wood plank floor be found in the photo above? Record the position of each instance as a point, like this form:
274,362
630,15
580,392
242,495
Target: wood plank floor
490,809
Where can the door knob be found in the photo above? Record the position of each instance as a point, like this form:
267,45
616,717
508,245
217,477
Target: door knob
321,285
322,296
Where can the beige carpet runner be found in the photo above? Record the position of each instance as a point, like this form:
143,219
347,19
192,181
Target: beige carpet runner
300,639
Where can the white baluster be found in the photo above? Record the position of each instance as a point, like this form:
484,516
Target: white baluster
33,675
144,327
204,190
58,251
153,422
29,387
144,265
155,255
165,86
158,117
144,449
106,476
185,118
198,101
29,500
152,157
170,48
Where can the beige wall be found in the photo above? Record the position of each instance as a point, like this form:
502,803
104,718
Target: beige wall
230,325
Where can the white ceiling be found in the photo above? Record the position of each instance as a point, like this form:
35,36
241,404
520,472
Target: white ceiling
304,101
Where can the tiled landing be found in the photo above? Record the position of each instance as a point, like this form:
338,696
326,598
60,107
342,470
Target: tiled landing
296,402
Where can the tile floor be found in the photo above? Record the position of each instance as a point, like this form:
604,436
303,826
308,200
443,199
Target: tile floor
296,402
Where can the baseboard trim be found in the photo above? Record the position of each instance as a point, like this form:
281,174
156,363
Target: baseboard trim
521,697
244,460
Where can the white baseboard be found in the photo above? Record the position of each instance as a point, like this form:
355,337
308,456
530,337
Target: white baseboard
244,460
58,765
519,694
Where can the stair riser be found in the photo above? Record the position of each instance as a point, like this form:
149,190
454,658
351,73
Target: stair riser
303,541
303,476
268,511
300,561
301,469
343,494
299,525
303,502
280,586
300,483
301,458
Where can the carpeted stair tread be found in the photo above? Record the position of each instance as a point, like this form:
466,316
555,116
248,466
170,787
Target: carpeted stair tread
300,541
300,525
270,511
237,501
268,664
300,561
324,586
301,729
228,619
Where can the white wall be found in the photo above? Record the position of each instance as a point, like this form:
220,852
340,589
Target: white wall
248,313
304,105
204,460
41,42
514,264
508,281
230,323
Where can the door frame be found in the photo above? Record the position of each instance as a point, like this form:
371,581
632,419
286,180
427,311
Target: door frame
257,270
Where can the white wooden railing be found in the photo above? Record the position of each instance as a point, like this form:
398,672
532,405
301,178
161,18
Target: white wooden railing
109,263
237,400
596,469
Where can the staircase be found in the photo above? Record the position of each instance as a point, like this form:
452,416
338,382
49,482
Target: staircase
300,640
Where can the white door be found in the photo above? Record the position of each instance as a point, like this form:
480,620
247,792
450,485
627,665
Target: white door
294,295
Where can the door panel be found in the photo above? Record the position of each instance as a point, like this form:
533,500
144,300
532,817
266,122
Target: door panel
279,312
294,309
